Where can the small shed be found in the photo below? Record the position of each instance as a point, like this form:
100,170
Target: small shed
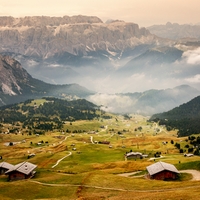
134,155
4,166
162,171
21,171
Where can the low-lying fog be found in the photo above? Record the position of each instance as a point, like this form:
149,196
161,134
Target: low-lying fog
110,79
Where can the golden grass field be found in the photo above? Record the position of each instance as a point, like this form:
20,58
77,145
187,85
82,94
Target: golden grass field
92,171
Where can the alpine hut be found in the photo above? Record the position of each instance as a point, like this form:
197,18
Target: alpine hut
162,171
20,171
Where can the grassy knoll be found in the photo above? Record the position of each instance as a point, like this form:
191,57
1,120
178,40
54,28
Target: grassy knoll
91,171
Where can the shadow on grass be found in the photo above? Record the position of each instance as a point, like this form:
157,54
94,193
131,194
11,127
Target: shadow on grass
184,177
3,178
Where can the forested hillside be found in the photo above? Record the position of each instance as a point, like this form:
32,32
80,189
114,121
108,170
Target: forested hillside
185,118
48,113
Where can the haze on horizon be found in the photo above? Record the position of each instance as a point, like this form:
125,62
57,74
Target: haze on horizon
142,12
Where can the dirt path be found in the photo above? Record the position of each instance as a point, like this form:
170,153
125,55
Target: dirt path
91,139
195,174
112,189
129,174
70,153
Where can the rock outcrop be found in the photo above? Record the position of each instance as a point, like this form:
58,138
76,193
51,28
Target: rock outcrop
16,85
44,37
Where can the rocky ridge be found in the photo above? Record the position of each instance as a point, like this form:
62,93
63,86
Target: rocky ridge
176,31
11,76
43,37
16,85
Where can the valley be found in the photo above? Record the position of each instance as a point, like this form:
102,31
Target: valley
87,106
84,158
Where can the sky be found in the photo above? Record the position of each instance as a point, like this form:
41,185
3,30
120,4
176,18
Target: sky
142,12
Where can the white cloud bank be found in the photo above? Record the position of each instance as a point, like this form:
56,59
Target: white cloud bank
112,102
194,79
192,57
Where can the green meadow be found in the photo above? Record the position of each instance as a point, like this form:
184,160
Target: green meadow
93,164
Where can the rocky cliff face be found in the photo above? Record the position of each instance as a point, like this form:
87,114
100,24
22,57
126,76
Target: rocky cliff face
99,56
43,37
12,75
17,85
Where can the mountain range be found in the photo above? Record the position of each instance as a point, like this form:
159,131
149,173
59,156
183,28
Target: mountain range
176,31
100,56
116,57
49,37
83,49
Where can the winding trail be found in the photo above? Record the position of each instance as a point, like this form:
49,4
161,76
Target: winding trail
63,140
195,174
70,153
112,189
91,139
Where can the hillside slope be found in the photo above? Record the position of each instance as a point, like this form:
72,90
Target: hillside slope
17,85
185,118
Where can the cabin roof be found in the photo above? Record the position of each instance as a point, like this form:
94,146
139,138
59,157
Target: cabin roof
6,165
133,154
161,166
24,167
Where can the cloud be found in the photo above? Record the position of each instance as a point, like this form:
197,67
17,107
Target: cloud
192,57
112,102
55,66
194,79
138,76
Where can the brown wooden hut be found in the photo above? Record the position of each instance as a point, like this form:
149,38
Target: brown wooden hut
20,171
162,171
133,155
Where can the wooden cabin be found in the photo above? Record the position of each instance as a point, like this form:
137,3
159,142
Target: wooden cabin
133,155
162,171
21,171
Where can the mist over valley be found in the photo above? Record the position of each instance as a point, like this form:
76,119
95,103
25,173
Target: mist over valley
129,68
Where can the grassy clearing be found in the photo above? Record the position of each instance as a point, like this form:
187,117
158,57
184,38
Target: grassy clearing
28,190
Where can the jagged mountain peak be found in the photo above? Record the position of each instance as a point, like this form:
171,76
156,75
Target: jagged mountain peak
30,21
11,75
14,64
44,37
